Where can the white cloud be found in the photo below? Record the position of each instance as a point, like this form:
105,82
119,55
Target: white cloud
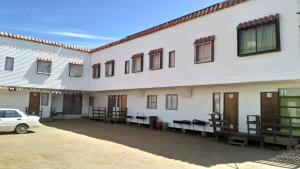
82,35
68,34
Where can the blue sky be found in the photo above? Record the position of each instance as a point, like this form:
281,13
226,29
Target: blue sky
90,23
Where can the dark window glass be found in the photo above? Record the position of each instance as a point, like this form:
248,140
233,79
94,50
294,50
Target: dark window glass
127,67
11,114
96,71
172,59
9,64
172,102
258,39
151,102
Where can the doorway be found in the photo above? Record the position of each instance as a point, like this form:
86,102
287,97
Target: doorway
34,104
72,103
231,110
269,108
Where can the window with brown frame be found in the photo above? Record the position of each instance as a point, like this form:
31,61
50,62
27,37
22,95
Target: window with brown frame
96,71
172,102
259,36
127,67
75,70
137,63
155,59
171,59
204,49
216,102
110,68
152,102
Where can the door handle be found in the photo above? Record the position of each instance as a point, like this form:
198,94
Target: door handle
18,119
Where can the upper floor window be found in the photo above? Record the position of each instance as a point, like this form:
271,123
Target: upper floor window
44,65
96,71
259,36
9,63
76,69
109,68
172,59
151,101
127,67
204,49
156,59
137,63
172,102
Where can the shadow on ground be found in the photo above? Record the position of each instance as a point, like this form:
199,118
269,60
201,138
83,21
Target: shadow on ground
13,133
188,148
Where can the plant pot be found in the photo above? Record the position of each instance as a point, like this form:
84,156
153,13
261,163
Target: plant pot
165,126
158,125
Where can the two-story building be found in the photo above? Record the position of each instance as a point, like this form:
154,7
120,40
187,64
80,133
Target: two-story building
229,58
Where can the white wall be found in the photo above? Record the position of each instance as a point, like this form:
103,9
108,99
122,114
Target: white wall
227,67
14,99
199,105
25,56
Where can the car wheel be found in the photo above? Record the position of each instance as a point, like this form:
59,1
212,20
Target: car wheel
21,129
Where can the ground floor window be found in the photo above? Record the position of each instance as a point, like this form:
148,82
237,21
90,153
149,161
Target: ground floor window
172,102
152,102
216,102
91,101
45,99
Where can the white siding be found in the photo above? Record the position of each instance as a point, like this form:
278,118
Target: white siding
227,67
199,105
25,55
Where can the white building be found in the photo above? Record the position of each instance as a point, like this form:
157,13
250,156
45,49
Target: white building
230,58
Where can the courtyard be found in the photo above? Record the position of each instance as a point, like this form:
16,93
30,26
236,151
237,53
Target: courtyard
85,144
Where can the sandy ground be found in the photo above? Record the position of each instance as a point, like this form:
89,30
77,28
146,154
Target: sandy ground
85,144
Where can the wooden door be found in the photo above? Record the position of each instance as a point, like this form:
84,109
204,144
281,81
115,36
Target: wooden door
76,103
111,102
231,110
269,108
34,103
67,104
123,101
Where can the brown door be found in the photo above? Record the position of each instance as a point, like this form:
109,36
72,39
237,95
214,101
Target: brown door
231,110
67,108
269,108
123,101
111,104
76,103
34,103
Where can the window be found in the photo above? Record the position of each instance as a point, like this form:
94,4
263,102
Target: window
172,59
75,70
127,67
9,64
137,63
11,114
216,102
172,102
2,113
91,101
259,37
96,71
204,49
45,99
109,68
156,58
151,102
43,67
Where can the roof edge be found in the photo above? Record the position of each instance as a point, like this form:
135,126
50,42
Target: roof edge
202,12
42,41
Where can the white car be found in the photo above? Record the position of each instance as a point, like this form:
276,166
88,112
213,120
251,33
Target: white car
14,120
